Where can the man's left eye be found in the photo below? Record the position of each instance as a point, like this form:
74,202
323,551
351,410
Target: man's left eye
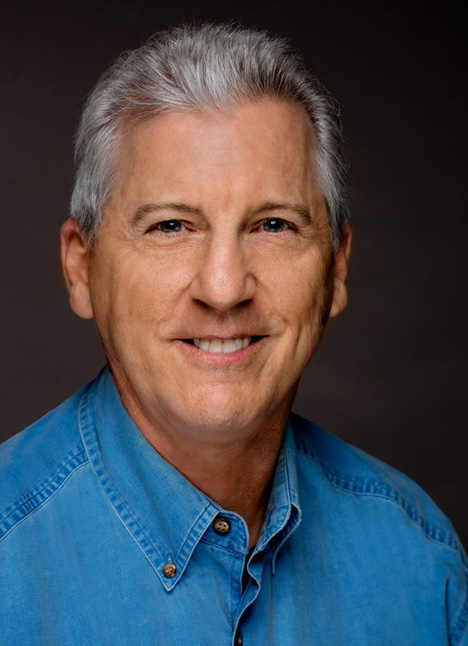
274,225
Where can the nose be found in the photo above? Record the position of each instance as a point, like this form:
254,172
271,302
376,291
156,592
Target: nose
223,280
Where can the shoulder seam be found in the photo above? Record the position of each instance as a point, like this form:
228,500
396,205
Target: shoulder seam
380,489
35,498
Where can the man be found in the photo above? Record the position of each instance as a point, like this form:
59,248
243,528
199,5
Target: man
175,499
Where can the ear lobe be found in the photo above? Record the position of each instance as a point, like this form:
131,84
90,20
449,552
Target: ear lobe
75,257
340,272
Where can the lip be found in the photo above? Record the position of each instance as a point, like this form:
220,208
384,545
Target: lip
220,358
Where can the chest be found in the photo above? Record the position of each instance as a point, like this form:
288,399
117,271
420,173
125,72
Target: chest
107,592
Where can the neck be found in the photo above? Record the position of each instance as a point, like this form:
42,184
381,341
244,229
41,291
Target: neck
236,474
238,479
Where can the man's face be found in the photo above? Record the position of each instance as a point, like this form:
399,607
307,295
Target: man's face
212,277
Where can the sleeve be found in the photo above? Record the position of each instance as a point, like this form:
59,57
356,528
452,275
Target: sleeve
457,602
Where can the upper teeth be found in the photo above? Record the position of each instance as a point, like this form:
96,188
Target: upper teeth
222,345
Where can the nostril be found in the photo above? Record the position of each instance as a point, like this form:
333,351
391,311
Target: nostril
222,293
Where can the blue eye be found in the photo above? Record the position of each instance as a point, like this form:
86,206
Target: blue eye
274,225
170,226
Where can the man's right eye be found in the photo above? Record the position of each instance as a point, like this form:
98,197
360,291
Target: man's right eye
168,226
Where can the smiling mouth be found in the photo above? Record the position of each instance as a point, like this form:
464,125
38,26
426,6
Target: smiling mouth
223,346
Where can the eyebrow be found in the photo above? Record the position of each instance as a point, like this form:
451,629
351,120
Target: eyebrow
179,207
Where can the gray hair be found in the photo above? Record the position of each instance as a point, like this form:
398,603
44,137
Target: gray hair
206,68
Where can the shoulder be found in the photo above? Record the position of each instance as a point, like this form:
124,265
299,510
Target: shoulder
353,472
380,519
38,461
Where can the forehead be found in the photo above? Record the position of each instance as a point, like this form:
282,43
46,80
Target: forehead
261,150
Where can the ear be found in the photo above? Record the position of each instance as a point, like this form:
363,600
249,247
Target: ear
75,258
340,272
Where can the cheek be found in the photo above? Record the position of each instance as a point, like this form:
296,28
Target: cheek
137,300
308,305
143,302
309,293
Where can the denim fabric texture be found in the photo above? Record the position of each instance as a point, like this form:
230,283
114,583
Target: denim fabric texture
351,552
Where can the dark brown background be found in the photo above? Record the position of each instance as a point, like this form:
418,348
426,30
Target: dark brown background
390,375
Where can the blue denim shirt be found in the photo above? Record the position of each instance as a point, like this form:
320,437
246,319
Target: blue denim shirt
91,517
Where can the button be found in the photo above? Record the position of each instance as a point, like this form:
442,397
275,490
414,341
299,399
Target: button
222,526
238,641
169,570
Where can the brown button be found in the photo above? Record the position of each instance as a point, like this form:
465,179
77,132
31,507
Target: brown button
222,526
169,570
238,641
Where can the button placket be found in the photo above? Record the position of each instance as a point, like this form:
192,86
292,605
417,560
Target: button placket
228,532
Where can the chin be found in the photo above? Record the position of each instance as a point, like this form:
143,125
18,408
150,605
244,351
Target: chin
219,416
228,413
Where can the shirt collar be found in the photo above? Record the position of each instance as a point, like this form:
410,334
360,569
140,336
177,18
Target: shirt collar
163,512
284,512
